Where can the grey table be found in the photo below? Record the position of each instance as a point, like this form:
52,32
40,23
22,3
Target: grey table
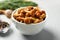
51,30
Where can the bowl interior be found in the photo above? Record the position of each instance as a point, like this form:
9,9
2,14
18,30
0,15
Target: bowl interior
23,23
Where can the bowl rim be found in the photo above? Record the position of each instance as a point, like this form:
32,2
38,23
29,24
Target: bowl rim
25,23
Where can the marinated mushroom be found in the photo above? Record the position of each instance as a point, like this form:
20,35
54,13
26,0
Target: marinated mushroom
3,24
30,15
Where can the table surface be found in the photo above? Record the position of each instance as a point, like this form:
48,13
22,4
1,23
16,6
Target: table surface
51,30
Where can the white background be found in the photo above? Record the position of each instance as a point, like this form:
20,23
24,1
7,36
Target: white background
51,30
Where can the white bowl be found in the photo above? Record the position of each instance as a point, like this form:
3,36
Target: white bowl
5,19
28,29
